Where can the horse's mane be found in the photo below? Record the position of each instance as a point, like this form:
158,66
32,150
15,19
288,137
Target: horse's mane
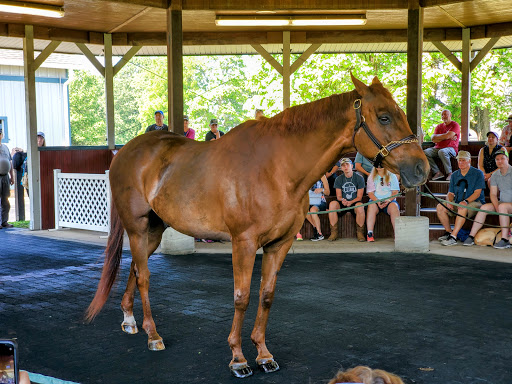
299,119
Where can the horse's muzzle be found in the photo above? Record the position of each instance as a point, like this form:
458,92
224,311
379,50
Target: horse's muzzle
414,173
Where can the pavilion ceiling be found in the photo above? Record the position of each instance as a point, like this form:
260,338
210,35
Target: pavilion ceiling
143,22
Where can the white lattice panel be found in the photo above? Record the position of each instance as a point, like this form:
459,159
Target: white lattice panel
82,201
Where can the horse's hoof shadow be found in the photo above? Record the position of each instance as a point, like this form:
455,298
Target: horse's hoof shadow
156,345
241,372
269,366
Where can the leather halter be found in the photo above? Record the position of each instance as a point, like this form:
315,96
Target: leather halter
383,150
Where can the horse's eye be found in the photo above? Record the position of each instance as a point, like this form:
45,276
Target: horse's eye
384,120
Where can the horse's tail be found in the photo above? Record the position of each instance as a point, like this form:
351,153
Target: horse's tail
113,254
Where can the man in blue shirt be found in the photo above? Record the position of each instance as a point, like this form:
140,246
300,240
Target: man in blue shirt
467,186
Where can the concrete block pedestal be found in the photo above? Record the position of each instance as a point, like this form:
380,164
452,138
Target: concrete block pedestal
176,243
411,234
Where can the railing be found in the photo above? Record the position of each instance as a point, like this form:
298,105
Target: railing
82,201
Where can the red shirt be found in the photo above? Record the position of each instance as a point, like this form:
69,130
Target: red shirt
443,128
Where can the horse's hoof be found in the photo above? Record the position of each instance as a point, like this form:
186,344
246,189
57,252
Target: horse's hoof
240,371
129,328
269,366
156,345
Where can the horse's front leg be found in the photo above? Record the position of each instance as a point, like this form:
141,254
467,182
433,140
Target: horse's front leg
139,248
129,325
244,253
272,261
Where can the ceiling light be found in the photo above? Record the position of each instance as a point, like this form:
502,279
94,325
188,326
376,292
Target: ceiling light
31,8
287,20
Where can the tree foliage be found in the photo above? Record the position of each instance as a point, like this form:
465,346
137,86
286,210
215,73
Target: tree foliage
230,88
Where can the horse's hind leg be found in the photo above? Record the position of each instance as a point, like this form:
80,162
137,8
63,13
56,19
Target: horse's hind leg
129,325
143,241
244,253
272,261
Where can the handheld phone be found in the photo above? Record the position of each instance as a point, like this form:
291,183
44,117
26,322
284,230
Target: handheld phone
8,361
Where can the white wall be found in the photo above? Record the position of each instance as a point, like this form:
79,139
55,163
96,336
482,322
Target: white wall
51,100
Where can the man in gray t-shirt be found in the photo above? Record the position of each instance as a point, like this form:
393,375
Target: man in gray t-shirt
349,192
5,182
501,181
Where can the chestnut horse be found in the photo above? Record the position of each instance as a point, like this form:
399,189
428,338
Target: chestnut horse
250,188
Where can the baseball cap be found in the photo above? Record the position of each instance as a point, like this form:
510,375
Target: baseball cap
464,155
159,112
345,160
492,133
501,151
41,134
214,121
509,118
185,117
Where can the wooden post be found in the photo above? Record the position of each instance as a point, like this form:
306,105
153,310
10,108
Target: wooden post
19,192
175,66
286,69
466,85
414,60
109,91
30,106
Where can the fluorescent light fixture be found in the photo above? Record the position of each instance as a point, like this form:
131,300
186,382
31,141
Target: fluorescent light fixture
287,20
31,8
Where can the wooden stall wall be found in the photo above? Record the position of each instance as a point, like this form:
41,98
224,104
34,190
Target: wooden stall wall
76,160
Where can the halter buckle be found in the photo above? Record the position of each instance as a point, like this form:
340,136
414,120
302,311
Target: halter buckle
357,103
384,151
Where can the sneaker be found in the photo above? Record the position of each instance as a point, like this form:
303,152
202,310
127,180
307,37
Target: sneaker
444,237
437,176
369,237
449,176
469,241
317,237
7,225
449,241
502,244
299,237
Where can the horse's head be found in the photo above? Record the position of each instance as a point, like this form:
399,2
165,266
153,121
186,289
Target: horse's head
387,123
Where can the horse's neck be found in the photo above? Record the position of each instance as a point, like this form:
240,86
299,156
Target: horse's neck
318,148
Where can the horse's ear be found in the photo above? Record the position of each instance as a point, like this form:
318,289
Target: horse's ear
376,81
361,87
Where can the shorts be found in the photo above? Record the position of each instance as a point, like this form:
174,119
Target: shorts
321,207
471,212
351,211
385,209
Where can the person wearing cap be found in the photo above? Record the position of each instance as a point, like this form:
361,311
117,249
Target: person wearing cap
446,138
382,184
188,132
317,202
159,123
467,186
214,133
486,160
349,193
501,181
41,139
6,180
506,133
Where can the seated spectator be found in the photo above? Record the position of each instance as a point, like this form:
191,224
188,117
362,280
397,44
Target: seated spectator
466,188
41,139
258,114
486,160
331,175
382,184
365,375
349,192
446,137
159,123
501,181
363,165
506,132
317,203
214,133
188,132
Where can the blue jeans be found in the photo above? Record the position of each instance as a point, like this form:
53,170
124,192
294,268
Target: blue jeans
444,154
